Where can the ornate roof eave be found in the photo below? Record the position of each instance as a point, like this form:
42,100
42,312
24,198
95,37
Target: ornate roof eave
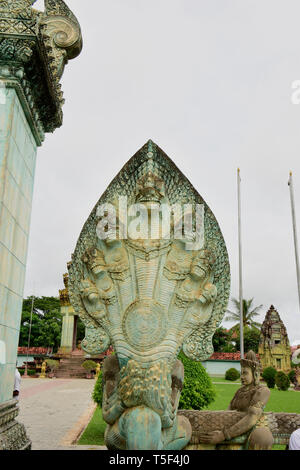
34,49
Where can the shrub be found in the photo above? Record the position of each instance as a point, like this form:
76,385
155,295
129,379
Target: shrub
282,381
198,391
232,374
98,390
29,371
269,374
52,364
292,375
89,365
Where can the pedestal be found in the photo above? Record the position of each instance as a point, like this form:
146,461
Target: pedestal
12,433
68,331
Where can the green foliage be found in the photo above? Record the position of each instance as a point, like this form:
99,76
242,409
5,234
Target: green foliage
29,371
222,341
98,390
197,390
89,365
251,339
292,375
52,363
46,323
282,381
249,313
269,374
232,374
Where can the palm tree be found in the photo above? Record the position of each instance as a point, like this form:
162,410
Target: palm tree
248,314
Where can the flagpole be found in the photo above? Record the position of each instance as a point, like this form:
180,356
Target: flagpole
290,183
240,266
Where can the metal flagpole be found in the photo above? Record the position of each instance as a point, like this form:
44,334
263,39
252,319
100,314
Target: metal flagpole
29,334
290,183
240,266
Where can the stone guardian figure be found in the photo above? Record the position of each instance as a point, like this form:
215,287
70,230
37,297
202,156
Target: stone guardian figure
250,399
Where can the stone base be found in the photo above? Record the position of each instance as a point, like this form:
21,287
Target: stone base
63,351
12,434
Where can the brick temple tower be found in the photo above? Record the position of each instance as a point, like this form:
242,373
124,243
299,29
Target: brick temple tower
274,347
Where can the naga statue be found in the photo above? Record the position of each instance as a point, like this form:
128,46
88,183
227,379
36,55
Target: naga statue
150,277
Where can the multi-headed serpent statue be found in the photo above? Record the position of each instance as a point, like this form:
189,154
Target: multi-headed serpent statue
149,292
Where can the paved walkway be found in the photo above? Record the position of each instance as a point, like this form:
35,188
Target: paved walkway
55,411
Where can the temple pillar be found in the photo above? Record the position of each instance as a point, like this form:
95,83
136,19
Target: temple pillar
17,164
31,65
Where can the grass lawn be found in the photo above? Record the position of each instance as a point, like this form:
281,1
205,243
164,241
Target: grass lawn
222,379
288,402
279,401
94,432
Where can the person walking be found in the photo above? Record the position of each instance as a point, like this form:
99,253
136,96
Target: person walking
17,385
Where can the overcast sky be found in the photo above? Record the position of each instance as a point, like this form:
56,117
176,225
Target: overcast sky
210,81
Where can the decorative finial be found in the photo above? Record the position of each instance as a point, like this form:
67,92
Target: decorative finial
150,153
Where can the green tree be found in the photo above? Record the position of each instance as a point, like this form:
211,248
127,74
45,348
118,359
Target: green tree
46,323
251,339
221,339
249,313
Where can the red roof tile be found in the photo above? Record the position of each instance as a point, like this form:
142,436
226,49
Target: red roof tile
224,356
32,351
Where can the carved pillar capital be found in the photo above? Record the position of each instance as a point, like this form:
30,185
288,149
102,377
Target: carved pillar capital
35,46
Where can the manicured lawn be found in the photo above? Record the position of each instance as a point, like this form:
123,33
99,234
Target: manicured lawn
224,395
94,432
288,402
222,379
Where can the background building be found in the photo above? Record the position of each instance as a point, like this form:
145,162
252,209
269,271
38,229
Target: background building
274,347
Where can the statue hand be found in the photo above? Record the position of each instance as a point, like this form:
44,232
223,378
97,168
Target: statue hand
167,420
214,437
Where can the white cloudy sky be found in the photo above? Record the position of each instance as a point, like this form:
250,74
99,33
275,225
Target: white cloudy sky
210,82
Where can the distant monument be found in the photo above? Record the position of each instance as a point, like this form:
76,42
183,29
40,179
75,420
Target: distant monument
149,276
69,321
274,347
35,46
